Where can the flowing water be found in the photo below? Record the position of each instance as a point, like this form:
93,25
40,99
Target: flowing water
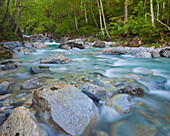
152,109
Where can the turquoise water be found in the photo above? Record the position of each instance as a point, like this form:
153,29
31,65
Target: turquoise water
153,109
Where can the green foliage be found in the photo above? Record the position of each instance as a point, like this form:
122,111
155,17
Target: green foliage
58,17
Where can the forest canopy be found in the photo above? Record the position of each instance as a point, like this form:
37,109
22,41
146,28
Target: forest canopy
106,19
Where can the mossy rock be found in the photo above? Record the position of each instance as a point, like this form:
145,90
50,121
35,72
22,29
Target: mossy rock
6,54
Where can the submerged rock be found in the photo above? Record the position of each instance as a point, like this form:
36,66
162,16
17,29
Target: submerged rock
165,53
7,65
20,123
109,51
56,59
121,103
39,69
71,111
31,84
126,128
131,90
6,54
143,54
4,88
100,133
94,91
99,44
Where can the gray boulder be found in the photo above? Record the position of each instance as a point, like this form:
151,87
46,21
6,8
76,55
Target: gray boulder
109,51
31,84
77,43
4,88
20,123
143,54
95,92
39,69
165,53
71,111
65,47
56,59
155,54
121,103
99,44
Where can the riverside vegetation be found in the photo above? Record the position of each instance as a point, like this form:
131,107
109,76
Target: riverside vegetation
85,67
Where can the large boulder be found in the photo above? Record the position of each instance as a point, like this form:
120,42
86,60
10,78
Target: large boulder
155,54
70,110
165,53
56,59
94,91
121,103
4,88
77,43
109,51
31,84
7,65
99,44
39,69
20,123
131,90
143,54
6,54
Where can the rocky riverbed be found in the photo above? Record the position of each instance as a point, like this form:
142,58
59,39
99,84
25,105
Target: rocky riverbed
80,88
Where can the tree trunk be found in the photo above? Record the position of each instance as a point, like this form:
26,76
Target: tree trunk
125,11
168,16
157,9
75,15
81,7
144,5
93,14
100,14
85,13
6,14
152,13
104,21
18,18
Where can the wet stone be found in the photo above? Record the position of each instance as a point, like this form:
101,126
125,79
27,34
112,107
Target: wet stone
143,54
99,44
94,91
131,90
121,103
4,88
56,59
165,53
109,51
31,84
20,123
39,69
69,108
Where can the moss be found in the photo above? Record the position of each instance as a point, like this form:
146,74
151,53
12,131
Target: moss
6,54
